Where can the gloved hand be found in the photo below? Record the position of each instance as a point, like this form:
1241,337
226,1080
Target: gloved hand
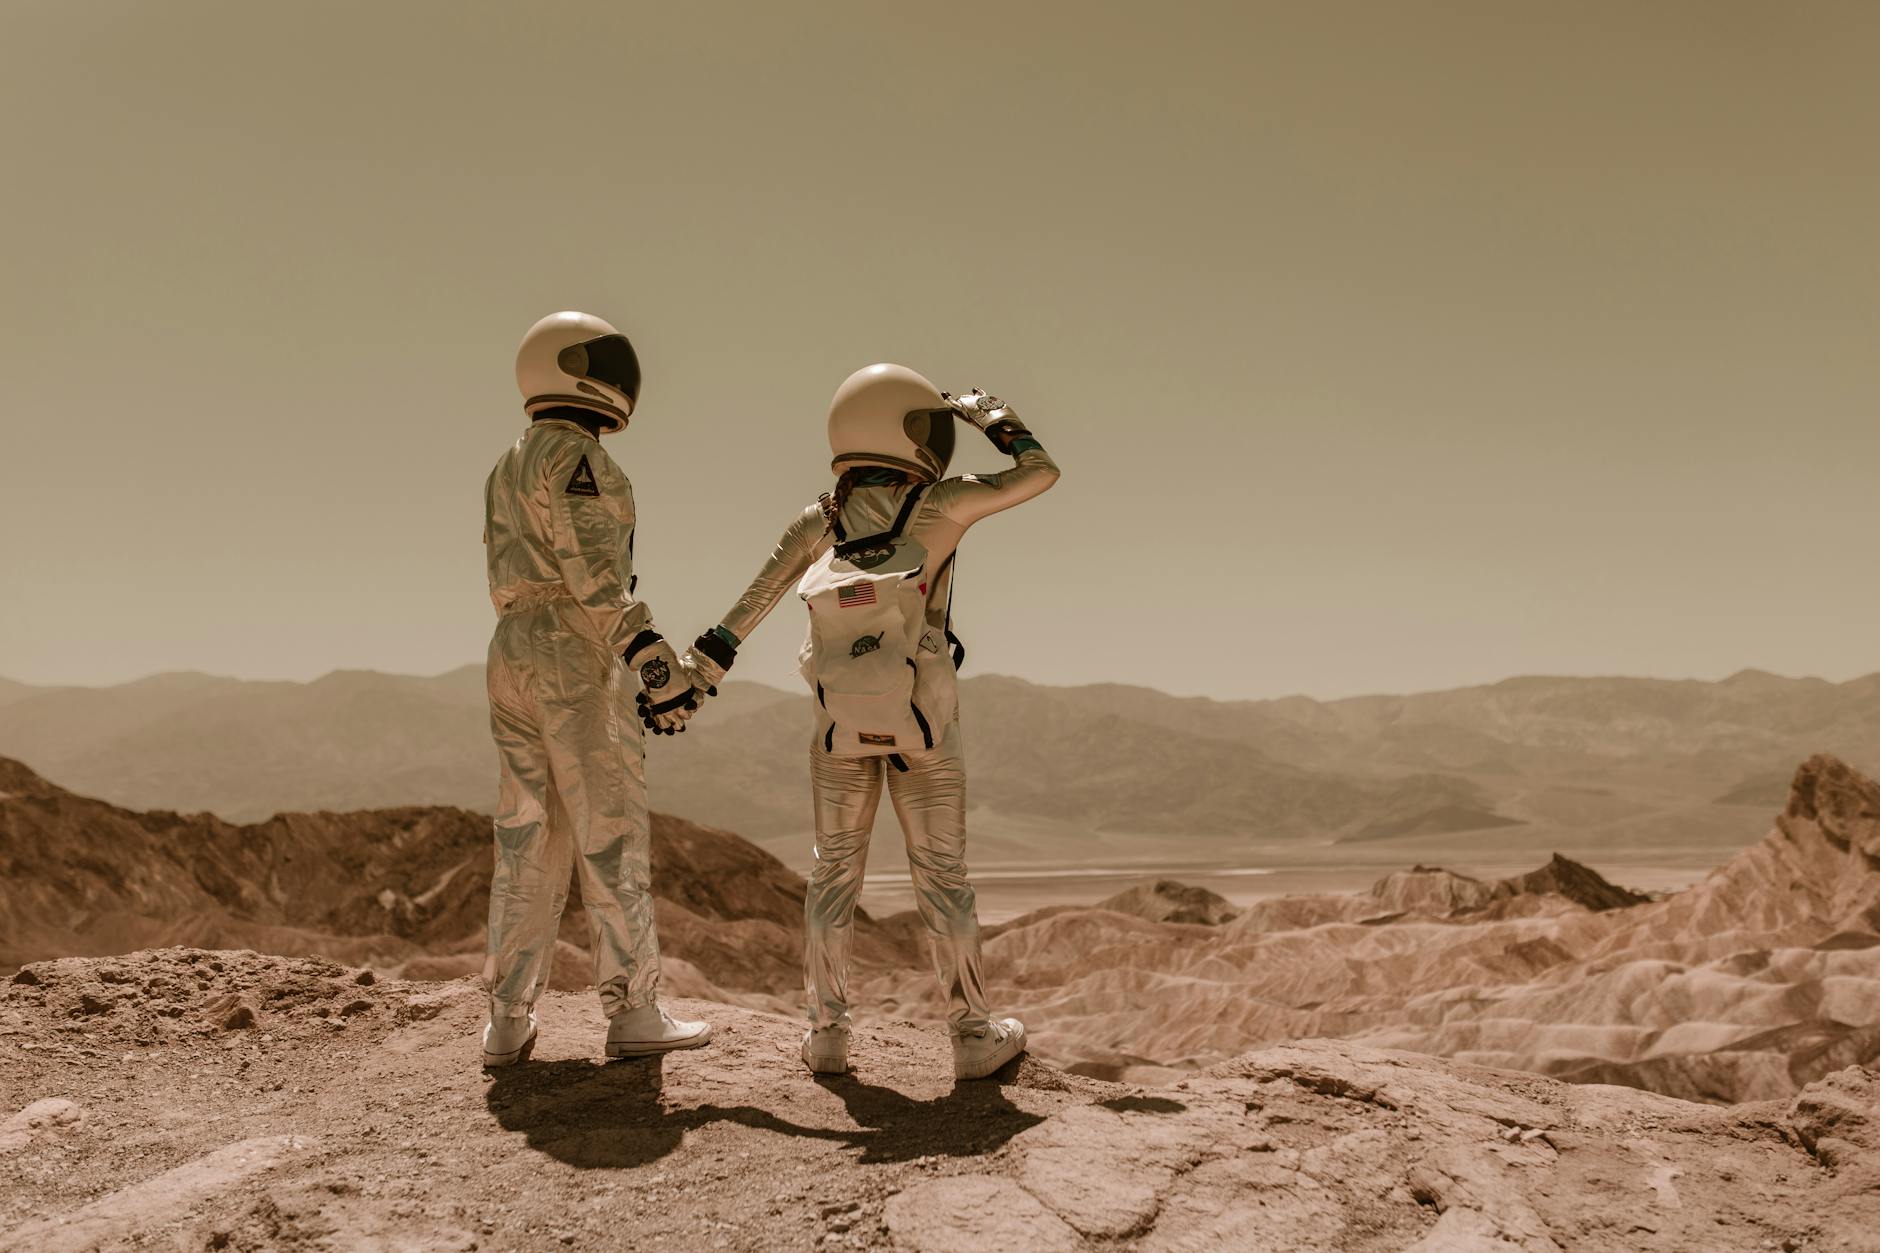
711,655
667,698
991,415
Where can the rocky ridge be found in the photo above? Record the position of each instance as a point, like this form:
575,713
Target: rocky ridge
1165,900
1435,891
403,890
140,1107
1747,986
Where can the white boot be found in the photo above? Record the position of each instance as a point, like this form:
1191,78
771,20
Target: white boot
650,1029
826,1050
508,1040
976,1056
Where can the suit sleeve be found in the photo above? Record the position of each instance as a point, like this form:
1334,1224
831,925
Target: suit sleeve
967,499
591,513
793,555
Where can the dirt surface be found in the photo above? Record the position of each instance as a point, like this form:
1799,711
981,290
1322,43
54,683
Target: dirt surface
359,1118
186,1099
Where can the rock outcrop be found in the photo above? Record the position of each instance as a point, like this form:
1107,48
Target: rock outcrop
1434,891
1165,900
352,1114
1582,885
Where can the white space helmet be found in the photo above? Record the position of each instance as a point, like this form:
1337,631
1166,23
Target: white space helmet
887,415
577,359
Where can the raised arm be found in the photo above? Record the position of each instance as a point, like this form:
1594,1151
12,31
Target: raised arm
713,652
967,499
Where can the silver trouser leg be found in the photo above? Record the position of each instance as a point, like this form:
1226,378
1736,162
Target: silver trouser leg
529,884
598,767
930,800
848,791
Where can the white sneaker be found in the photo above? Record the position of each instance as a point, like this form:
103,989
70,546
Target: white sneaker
508,1040
976,1056
826,1050
650,1029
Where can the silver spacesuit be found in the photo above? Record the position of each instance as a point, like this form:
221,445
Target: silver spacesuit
559,535
886,430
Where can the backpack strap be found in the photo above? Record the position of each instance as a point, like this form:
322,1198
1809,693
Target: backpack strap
907,510
926,728
957,645
846,546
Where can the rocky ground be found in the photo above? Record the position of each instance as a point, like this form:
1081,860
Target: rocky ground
189,1099
1745,987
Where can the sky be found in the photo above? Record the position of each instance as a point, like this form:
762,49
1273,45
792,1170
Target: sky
1385,346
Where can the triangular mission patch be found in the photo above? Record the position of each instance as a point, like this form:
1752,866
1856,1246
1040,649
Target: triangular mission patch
582,483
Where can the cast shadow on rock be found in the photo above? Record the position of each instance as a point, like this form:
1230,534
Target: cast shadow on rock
1143,1105
609,1115
972,1119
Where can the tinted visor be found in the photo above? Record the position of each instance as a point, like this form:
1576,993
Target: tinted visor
609,359
932,429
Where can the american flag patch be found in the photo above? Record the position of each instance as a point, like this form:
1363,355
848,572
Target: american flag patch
855,595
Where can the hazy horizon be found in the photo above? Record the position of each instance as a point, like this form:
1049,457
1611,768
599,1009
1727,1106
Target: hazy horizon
1386,348
794,688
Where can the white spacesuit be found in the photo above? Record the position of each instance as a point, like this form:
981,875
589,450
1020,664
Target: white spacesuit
892,435
559,533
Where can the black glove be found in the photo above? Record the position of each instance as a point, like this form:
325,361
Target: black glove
710,657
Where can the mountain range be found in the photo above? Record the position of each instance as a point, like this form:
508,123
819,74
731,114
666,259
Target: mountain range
1594,767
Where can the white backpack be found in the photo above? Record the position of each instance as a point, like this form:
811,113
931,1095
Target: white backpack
870,648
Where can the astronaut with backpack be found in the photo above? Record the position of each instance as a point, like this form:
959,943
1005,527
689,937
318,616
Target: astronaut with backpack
874,563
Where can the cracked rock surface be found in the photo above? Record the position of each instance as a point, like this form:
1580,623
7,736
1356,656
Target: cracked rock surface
353,1114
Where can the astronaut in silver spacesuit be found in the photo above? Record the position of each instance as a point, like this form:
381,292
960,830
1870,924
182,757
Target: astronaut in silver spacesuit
570,640
892,433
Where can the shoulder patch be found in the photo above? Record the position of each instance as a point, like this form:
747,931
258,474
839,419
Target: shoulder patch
581,482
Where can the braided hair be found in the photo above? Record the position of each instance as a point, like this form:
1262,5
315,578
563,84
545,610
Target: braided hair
832,502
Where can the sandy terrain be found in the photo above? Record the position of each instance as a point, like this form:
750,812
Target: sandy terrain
183,1099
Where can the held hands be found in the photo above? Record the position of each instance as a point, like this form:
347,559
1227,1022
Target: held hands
668,697
673,687
991,415
711,655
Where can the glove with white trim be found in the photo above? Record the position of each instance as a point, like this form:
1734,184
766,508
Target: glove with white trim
711,655
667,697
992,416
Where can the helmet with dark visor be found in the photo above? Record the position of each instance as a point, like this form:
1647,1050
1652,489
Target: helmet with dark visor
609,359
932,429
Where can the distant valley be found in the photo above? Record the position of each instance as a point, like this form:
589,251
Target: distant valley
1621,770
